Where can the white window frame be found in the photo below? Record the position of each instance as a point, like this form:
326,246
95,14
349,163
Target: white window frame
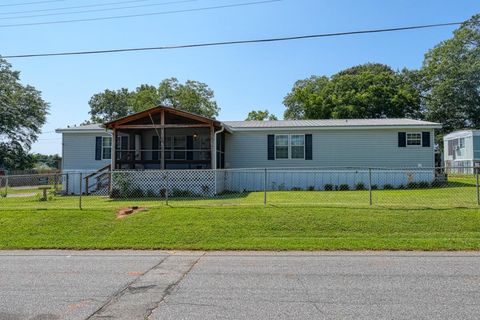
106,147
289,146
413,145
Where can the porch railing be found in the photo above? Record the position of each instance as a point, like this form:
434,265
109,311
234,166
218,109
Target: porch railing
170,154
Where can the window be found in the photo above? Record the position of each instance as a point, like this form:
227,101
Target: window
173,143
281,146
122,143
290,146
106,147
297,146
461,143
414,139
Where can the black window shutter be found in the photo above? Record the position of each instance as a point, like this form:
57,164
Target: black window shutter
425,139
308,147
154,147
271,147
98,148
189,147
402,139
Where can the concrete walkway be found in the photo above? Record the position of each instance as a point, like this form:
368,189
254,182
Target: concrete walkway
238,285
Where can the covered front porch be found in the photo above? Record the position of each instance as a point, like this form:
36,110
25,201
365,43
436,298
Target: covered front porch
166,138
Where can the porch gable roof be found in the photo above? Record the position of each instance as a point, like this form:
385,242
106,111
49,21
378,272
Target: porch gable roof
155,110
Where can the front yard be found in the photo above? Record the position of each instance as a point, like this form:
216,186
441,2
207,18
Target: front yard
243,228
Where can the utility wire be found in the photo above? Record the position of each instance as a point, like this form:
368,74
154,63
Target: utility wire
27,3
212,44
75,7
242,4
98,10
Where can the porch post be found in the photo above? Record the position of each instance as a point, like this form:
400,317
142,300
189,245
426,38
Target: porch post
162,140
113,164
213,147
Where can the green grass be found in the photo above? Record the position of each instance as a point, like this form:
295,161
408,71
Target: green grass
243,228
446,218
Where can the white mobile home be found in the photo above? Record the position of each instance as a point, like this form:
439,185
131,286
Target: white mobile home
462,150
164,138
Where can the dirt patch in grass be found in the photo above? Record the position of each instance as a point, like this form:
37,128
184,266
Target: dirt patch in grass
127,211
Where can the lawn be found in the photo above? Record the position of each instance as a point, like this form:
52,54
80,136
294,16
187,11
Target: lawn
446,218
243,228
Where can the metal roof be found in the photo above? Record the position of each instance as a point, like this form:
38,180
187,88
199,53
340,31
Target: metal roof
327,123
95,127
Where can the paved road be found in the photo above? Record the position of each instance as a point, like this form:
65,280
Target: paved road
45,285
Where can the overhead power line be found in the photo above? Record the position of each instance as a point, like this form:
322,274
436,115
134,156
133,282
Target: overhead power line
235,42
242,4
98,10
77,7
27,3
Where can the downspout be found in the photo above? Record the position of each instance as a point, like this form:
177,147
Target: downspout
215,146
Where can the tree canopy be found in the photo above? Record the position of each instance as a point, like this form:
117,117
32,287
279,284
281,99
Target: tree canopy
22,115
366,91
191,96
260,115
450,79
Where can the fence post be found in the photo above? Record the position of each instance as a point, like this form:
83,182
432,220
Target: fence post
477,186
81,187
265,188
166,187
370,185
6,185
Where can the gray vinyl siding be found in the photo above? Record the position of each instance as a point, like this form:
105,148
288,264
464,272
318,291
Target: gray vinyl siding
79,151
332,148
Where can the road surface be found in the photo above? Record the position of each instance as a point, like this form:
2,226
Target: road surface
44,285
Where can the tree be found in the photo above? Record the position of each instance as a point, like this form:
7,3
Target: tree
110,105
364,91
260,115
451,79
193,96
22,115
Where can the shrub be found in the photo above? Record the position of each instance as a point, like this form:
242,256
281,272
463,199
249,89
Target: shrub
137,193
115,193
374,187
344,187
328,187
311,188
388,187
401,187
360,186
412,185
150,194
205,189
281,187
296,189
177,193
424,184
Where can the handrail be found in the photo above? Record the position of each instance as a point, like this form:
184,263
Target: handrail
108,166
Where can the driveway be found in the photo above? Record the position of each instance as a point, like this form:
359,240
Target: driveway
238,285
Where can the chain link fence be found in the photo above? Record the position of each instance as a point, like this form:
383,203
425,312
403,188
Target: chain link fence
346,187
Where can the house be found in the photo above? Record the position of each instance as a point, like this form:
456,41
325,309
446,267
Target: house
164,138
462,150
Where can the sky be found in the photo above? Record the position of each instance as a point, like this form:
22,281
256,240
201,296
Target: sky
243,77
